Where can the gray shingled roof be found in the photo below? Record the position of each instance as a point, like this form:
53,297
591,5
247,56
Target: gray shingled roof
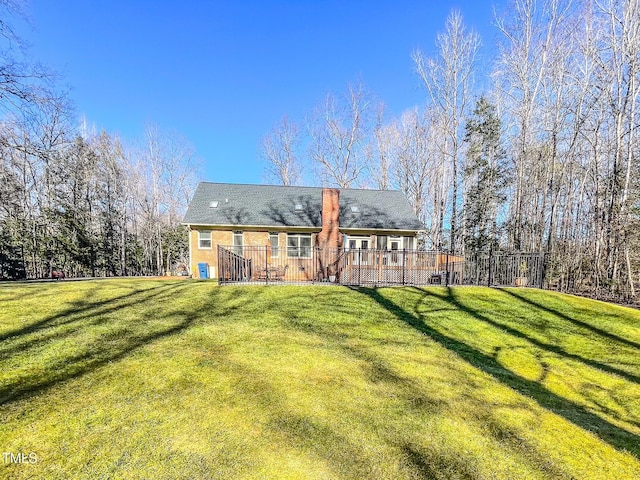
275,206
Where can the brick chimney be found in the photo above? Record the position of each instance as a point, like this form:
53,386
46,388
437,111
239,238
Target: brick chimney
329,236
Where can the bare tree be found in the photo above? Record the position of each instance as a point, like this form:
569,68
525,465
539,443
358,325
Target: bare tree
169,179
530,72
448,79
620,77
80,202
338,137
569,81
24,83
279,150
381,152
414,161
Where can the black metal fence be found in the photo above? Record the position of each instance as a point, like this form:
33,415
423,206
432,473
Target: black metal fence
504,269
266,264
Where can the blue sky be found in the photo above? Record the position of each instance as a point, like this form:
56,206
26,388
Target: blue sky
223,73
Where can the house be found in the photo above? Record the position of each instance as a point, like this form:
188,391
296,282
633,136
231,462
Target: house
258,226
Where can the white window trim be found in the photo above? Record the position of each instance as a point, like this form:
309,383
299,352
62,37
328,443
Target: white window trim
359,237
395,238
237,249
277,247
200,247
405,242
373,245
299,248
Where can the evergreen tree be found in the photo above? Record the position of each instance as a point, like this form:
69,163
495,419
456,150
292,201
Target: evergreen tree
484,178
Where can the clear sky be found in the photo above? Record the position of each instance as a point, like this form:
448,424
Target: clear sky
223,73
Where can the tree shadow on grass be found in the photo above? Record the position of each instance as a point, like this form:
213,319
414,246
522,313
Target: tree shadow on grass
77,308
78,316
12,291
548,347
579,323
433,466
118,342
572,412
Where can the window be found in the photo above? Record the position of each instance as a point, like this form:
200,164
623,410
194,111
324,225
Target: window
237,242
204,239
408,243
299,245
395,246
273,241
381,244
358,243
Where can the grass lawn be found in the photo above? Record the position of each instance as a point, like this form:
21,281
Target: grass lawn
185,379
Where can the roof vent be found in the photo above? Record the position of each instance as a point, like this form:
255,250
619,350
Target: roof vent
298,207
213,204
355,209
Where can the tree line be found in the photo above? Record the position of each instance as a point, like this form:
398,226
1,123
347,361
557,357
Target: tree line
544,158
75,200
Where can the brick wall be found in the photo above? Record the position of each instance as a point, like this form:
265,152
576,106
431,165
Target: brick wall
330,236
254,239
225,237
210,256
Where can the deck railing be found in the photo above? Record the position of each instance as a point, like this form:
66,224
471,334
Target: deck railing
266,264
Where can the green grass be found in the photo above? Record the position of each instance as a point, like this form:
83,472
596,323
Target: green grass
184,379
